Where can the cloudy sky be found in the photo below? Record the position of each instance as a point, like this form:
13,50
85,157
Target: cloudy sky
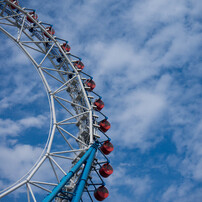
145,57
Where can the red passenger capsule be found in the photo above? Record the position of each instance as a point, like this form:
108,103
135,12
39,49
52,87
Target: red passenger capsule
66,47
99,104
106,170
15,2
78,64
104,125
90,83
50,30
107,147
34,15
101,193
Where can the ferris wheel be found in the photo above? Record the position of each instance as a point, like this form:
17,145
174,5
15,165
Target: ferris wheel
74,160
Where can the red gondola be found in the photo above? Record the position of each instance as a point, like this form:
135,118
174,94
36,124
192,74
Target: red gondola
107,147
99,104
104,125
90,83
50,30
34,15
15,2
101,193
78,64
106,170
66,47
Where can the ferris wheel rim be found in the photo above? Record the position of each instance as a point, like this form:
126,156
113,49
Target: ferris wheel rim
53,122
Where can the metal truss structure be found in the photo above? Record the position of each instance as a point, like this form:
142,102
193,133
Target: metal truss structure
70,156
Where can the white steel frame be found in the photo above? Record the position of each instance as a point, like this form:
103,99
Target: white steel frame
82,114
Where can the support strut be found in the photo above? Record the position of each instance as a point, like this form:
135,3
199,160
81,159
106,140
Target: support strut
88,156
84,177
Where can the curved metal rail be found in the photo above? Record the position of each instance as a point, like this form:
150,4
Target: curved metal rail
66,89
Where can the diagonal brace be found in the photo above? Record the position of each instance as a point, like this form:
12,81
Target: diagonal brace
70,174
84,177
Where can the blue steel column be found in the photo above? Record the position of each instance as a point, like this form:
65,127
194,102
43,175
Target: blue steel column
67,177
84,176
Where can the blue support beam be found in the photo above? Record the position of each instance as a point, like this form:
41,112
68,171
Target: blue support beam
69,175
84,176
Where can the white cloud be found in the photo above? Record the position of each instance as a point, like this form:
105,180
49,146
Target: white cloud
9,127
13,128
145,61
33,121
16,161
184,192
138,187
138,112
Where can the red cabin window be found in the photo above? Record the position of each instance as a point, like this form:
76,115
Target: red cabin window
107,147
50,30
15,2
106,170
66,47
104,125
34,15
101,193
90,83
78,64
99,104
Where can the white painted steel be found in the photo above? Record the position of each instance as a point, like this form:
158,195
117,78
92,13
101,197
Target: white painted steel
79,109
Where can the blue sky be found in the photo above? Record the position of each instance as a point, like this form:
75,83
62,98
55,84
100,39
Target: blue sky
145,57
